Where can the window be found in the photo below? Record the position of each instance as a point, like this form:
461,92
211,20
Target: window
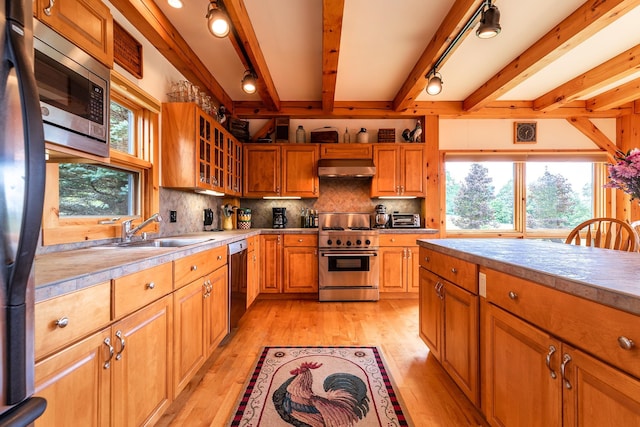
534,197
87,198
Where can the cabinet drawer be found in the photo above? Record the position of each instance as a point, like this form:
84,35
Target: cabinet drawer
346,151
189,268
400,239
456,270
593,327
136,290
83,312
300,240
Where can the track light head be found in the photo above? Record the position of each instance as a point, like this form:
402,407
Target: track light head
249,82
489,23
177,4
217,20
434,83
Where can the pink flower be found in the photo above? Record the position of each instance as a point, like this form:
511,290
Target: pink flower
625,174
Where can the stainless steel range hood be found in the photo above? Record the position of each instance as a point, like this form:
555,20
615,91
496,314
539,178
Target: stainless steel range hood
346,168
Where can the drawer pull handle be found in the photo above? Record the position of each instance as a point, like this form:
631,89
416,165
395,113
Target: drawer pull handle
64,321
454,270
219,257
552,350
119,336
47,10
426,259
626,343
300,240
513,295
194,267
151,285
107,363
565,361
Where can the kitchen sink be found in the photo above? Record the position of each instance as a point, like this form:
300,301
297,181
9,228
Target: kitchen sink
167,242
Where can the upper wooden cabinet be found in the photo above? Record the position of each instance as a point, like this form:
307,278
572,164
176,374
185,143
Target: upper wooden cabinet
233,166
86,23
193,148
400,170
346,151
281,170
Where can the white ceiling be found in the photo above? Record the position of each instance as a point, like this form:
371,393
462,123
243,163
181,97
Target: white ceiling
382,40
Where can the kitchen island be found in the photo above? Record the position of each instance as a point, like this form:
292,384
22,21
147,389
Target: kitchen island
534,332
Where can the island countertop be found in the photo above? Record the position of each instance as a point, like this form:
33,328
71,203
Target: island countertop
605,276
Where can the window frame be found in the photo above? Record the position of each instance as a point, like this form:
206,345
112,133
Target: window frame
57,230
520,191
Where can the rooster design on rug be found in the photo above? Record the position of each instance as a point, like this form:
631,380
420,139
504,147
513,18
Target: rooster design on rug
345,403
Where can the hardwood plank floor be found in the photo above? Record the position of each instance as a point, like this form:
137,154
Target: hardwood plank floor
429,395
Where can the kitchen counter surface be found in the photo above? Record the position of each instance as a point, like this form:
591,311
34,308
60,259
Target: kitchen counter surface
602,275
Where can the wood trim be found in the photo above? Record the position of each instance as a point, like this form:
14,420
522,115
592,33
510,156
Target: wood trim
592,132
584,22
433,212
332,12
615,97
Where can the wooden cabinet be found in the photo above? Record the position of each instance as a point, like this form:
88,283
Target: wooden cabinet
193,148
449,322
399,262
400,170
280,170
300,263
346,151
253,269
271,263
233,166
136,290
216,325
86,23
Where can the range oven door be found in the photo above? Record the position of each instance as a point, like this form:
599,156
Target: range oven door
348,275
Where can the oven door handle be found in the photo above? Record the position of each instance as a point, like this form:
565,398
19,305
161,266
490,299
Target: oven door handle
369,254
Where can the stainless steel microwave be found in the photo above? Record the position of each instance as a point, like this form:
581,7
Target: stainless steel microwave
74,93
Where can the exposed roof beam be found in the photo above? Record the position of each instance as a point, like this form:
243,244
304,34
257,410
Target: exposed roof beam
245,39
332,11
460,13
585,126
623,65
156,27
585,21
622,94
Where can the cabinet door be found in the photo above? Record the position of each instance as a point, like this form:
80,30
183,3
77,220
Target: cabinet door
300,170
300,270
392,269
217,154
595,394
233,166
76,384
413,267
189,347
210,159
142,365
431,312
386,181
86,23
461,331
217,309
261,176
519,388
271,263
413,170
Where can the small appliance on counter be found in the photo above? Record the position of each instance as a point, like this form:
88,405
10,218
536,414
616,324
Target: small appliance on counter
207,218
279,217
381,217
404,220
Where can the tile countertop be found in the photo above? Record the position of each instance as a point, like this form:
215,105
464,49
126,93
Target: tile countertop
58,273
602,275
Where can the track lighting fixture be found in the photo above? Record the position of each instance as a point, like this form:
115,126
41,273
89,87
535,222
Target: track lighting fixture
217,20
489,22
249,81
175,3
434,84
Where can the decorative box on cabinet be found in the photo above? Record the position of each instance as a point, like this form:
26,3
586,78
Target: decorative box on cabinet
400,170
193,148
300,263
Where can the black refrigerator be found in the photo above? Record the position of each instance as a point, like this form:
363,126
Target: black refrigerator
22,177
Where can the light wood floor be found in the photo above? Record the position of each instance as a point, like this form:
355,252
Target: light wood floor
429,395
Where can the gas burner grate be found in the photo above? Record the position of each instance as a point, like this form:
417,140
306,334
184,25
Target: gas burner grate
333,228
360,228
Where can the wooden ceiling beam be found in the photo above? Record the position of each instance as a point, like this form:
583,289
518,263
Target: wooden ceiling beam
615,97
460,13
584,22
332,12
156,27
584,125
623,65
245,40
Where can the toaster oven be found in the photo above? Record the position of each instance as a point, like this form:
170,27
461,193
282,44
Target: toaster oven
404,220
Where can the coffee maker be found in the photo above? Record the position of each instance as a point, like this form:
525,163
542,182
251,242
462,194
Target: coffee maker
381,217
279,217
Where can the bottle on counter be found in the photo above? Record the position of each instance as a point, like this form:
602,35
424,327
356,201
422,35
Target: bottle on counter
362,136
347,138
301,135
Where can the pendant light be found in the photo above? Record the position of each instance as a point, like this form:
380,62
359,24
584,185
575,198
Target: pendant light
217,20
249,81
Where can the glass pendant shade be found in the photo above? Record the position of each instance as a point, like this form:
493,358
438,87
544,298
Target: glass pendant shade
489,23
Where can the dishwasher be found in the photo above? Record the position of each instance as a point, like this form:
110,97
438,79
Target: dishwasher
237,264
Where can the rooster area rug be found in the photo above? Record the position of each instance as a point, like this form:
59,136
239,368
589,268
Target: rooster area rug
319,387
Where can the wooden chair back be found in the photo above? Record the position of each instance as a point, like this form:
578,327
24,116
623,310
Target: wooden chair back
607,233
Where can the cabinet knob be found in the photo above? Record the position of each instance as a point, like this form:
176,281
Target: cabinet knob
393,239
626,343
454,270
64,321
427,259
513,295
194,267
300,240
151,285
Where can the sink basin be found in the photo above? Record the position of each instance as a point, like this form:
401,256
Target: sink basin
167,242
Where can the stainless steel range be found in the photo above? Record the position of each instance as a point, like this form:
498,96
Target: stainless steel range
348,265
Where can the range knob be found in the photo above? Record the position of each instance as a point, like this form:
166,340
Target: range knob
338,242
367,242
348,242
329,242
358,242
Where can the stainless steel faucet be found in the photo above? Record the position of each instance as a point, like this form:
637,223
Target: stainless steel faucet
128,232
